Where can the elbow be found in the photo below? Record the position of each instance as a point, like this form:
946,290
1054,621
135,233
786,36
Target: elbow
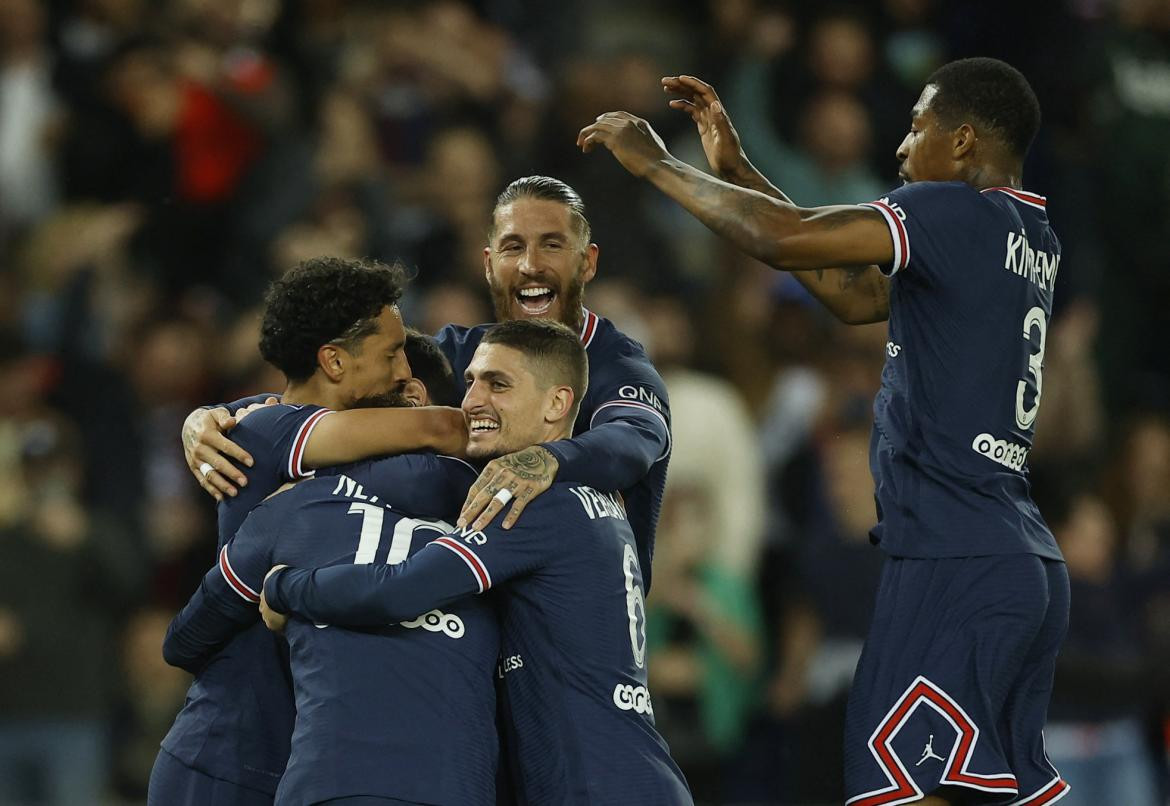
175,657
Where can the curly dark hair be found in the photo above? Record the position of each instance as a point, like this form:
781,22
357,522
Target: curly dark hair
325,300
990,92
429,365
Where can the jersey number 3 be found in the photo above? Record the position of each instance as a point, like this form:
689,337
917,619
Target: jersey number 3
1033,321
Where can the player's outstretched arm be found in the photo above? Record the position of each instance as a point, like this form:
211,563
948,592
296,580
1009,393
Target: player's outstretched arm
345,436
855,295
374,595
770,229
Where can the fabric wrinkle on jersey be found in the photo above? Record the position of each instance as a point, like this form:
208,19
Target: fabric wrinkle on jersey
954,681
580,722
402,710
622,383
970,300
237,720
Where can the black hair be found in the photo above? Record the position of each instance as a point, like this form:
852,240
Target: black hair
429,365
545,188
325,300
556,348
989,92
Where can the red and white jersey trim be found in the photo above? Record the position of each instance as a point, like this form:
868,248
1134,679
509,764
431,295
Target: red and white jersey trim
296,456
633,404
1030,199
903,788
1051,792
233,580
589,326
898,235
482,577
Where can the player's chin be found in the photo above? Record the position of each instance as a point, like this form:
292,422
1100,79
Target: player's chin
484,446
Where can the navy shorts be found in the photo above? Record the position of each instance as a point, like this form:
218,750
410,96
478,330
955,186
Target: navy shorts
953,685
173,783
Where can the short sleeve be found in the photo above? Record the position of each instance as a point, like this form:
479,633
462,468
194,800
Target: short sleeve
926,221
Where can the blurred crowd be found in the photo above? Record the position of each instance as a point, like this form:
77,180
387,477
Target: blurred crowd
162,160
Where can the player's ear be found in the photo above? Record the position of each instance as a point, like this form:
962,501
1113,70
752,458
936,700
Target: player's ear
415,392
331,359
963,141
558,403
591,253
487,263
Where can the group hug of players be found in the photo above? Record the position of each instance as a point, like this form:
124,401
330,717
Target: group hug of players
434,553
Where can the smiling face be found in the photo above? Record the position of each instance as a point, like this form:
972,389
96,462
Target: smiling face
537,263
930,152
507,406
376,366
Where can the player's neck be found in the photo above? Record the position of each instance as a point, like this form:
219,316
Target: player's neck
995,176
313,392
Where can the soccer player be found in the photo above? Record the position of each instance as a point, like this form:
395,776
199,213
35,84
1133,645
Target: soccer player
579,718
400,713
333,328
537,262
952,689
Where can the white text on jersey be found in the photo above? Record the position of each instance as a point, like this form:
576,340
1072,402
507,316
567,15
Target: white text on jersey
599,505
351,489
1031,264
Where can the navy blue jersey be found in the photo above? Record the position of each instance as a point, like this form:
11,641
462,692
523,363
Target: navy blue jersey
237,719
579,715
622,436
275,436
970,303
403,710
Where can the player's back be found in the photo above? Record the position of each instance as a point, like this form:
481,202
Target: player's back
581,724
237,718
405,711
970,303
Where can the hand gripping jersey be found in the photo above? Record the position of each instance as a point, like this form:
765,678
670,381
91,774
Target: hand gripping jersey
970,304
580,721
237,720
622,436
405,709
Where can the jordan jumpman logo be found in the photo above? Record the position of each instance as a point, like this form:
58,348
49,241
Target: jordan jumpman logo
929,752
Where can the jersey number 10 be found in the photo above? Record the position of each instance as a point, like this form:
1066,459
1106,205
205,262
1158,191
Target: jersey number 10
404,530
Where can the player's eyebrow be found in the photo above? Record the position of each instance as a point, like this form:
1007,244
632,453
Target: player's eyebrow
488,375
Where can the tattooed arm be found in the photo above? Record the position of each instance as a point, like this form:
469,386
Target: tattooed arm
525,474
762,221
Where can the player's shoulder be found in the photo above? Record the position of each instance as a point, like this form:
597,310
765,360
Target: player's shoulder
602,337
266,418
460,335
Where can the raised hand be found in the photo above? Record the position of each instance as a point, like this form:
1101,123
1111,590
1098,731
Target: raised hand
721,142
629,138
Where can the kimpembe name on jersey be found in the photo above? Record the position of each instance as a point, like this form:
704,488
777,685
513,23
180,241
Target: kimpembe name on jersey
1034,264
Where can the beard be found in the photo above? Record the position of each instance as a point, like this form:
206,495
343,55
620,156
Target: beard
571,299
394,399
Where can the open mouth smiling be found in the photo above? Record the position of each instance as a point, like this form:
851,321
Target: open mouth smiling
536,300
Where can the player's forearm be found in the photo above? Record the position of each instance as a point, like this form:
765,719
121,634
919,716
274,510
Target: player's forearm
347,436
369,595
856,295
754,222
746,175
610,456
203,627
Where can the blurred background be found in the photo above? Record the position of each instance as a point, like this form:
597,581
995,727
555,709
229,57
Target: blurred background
162,160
